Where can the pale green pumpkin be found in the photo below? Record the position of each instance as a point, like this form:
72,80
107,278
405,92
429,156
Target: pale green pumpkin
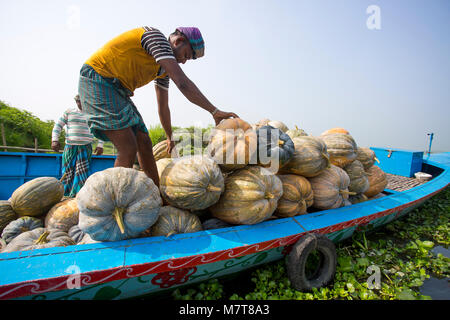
20,225
174,221
39,238
117,204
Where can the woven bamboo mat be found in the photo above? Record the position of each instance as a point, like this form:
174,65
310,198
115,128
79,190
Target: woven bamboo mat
399,183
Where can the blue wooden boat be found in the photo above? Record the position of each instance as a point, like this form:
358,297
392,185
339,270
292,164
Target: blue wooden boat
136,267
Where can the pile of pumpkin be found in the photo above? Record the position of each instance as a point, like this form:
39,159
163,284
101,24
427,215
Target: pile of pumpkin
230,184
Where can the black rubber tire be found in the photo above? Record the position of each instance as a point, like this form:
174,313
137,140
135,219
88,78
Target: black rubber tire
296,262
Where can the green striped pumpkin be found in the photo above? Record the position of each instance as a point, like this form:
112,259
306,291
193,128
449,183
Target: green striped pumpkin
7,214
37,197
251,196
310,157
359,182
39,238
173,220
341,147
191,182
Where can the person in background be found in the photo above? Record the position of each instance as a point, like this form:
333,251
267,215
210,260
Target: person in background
78,148
129,61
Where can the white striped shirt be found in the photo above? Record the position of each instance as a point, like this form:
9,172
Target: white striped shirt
156,45
77,129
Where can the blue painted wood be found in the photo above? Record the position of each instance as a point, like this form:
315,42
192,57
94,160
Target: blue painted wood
398,161
55,262
16,168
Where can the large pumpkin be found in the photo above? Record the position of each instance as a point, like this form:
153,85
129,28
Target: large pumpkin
62,215
117,203
341,147
297,132
366,156
20,225
233,144
173,221
39,238
7,214
310,157
377,181
36,197
330,188
297,196
251,196
359,181
275,148
192,182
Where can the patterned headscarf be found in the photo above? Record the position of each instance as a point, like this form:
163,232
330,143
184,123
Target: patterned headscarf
195,39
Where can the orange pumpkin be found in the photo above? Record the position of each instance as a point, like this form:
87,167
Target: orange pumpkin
330,188
233,144
377,181
63,215
336,130
297,196
234,123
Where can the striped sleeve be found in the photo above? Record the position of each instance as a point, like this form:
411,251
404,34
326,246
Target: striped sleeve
156,44
162,82
59,125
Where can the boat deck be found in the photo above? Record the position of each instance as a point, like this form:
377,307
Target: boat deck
400,183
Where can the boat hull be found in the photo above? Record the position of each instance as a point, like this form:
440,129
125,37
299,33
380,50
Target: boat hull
136,267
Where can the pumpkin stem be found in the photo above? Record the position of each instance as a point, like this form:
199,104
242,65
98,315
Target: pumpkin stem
63,176
118,215
377,160
328,159
350,193
213,188
170,233
269,196
42,238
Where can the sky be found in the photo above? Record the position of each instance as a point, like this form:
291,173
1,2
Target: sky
379,68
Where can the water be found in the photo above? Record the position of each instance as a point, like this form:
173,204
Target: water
437,289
